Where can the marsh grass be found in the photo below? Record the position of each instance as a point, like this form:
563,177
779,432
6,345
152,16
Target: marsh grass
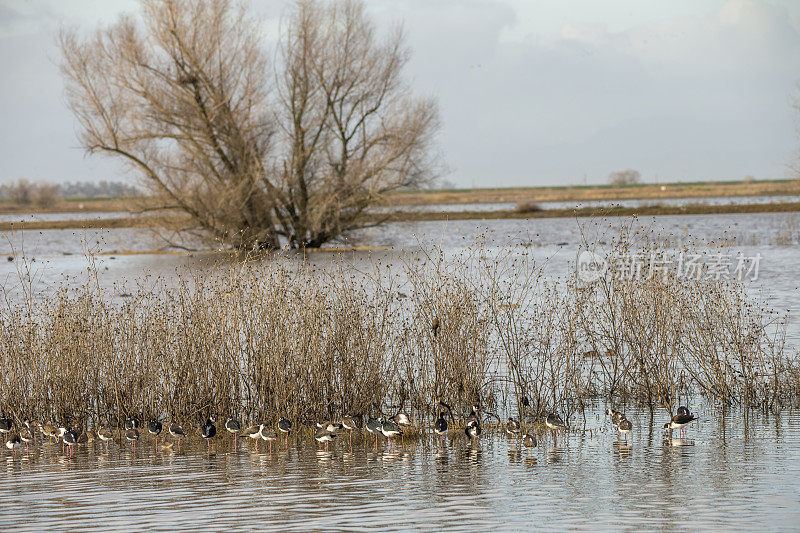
274,337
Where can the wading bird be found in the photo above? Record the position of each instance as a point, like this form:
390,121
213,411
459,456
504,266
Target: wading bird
253,432
440,427
13,442
679,421
323,435
70,438
233,426
207,431
529,441
154,428
554,422
513,427
285,426
374,426
105,435
268,434
132,435
624,428
616,418
176,431
391,429
5,427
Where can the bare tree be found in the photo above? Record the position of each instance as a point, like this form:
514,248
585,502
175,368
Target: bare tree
19,192
187,97
624,177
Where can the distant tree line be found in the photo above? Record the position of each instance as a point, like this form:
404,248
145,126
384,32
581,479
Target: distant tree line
24,192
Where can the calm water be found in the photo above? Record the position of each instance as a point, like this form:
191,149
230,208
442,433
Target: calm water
725,475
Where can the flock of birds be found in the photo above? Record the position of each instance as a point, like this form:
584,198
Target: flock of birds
325,432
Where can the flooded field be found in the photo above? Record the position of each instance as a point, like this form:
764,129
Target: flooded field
734,470
726,474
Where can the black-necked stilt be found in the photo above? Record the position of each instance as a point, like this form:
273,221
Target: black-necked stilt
616,417
374,426
473,429
70,438
207,431
48,430
679,421
350,424
624,427
529,441
404,421
513,427
105,435
26,435
554,422
5,427
176,431
285,426
233,426
391,429
60,432
13,442
32,428
473,415
683,410
254,432
323,435
440,427
132,435
268,434
154,428
131,423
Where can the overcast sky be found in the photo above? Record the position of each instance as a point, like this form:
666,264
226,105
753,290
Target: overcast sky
531,92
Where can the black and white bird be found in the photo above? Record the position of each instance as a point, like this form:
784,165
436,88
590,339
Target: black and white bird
105,435
374,426
27,436
132,435
513,427
233,426
440,427
624,427
207,431
13,442
529,441
154,428
70,438
176,431
554,422
285,427
268,434
616,417
131,423
253,432
679,421
5,427
473,429
323,435
390,429
350,424
683,410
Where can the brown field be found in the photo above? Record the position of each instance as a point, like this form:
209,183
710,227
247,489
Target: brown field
411,216
484,195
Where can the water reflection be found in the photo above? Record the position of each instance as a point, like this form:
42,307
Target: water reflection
739,476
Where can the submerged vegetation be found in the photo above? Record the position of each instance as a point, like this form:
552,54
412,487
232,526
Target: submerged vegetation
276,337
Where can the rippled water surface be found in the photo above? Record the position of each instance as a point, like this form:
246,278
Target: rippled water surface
724,475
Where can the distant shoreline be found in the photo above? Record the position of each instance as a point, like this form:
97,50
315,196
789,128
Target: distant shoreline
423,216
512,195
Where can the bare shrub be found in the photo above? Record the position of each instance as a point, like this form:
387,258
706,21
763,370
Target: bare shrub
20,192
45,195
528,207
187,98
622,178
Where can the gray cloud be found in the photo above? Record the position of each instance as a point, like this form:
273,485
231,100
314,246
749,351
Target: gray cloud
691,96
